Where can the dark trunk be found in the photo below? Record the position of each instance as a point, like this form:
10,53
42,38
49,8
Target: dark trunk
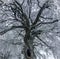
28,48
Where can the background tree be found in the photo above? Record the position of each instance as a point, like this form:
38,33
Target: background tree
32,20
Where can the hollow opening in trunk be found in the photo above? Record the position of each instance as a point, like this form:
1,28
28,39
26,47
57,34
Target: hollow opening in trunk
28,52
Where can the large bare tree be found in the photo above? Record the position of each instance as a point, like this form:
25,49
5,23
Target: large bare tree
30,20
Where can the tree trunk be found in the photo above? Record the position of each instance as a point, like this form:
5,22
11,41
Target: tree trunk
28,48
28,52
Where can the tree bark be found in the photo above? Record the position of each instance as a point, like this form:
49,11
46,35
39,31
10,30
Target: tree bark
28,48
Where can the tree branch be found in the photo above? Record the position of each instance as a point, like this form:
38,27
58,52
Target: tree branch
38,3
18,8
45,17
44,23
23,14
45,5
13,27
48,22
43,42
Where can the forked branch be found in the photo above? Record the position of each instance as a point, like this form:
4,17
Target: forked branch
51,22
45,5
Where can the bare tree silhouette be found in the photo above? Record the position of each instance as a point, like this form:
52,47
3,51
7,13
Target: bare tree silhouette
29,25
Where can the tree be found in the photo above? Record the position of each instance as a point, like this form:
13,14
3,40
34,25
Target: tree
30,24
